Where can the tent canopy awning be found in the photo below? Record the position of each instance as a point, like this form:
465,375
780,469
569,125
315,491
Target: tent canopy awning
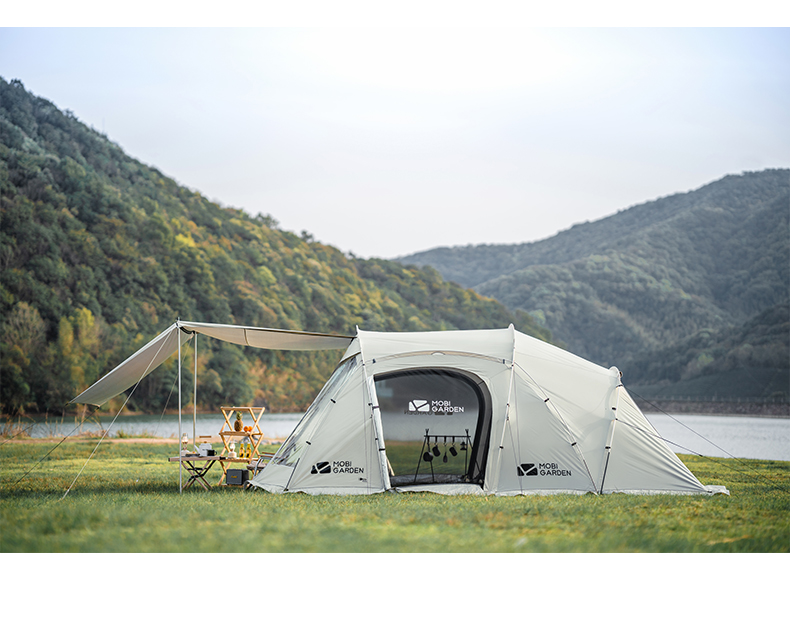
153,354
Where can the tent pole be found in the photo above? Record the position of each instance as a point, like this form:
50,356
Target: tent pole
610,437
506,424
377,431
194,400
180,469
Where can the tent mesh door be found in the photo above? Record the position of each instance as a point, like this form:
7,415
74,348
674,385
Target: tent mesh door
436,424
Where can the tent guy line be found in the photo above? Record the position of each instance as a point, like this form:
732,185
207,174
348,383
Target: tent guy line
749,470
58,444
122,407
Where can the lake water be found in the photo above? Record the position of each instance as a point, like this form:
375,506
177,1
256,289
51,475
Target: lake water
738,436
277,426
722,436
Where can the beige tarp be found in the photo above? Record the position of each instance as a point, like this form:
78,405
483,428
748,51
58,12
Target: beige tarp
139,365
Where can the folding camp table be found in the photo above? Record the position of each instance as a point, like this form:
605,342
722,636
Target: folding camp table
197,467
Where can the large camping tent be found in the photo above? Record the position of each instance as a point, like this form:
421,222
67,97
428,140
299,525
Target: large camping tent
455,412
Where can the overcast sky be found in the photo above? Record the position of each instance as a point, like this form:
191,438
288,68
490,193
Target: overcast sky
386,140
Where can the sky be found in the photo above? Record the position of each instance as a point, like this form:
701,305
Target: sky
385,138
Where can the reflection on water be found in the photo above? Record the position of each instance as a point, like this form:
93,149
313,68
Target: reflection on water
738,436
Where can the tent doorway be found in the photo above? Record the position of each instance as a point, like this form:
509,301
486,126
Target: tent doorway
436,425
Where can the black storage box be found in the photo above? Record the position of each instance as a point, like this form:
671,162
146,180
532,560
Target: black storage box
237,477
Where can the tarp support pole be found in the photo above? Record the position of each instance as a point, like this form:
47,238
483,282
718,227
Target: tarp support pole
180,463
194,401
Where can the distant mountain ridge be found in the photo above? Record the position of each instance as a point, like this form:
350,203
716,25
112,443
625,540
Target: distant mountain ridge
647,277
474,264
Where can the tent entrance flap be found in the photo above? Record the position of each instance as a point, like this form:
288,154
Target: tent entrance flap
436,425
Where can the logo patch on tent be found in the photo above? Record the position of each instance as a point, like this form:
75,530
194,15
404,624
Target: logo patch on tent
337,467
438,407
527,469
544,469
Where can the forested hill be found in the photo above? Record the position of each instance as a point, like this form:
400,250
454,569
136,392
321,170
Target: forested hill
648,277
100,252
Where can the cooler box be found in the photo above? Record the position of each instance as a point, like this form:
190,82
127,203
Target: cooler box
237,477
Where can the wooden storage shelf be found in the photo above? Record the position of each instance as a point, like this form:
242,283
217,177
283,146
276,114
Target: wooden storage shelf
227,432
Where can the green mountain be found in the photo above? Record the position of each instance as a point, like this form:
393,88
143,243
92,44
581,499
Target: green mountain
99,253
642,287
748,361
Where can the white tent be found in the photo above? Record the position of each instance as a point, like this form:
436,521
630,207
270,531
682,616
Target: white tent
473,412
455,412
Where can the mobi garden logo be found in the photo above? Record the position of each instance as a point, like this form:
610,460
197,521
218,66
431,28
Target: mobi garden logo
336,467
541,469
437,407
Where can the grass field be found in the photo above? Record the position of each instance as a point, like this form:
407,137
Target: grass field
127,501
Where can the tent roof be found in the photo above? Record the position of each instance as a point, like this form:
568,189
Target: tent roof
499,344
492,343
144,361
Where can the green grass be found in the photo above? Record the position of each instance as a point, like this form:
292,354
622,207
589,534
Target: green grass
127,500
